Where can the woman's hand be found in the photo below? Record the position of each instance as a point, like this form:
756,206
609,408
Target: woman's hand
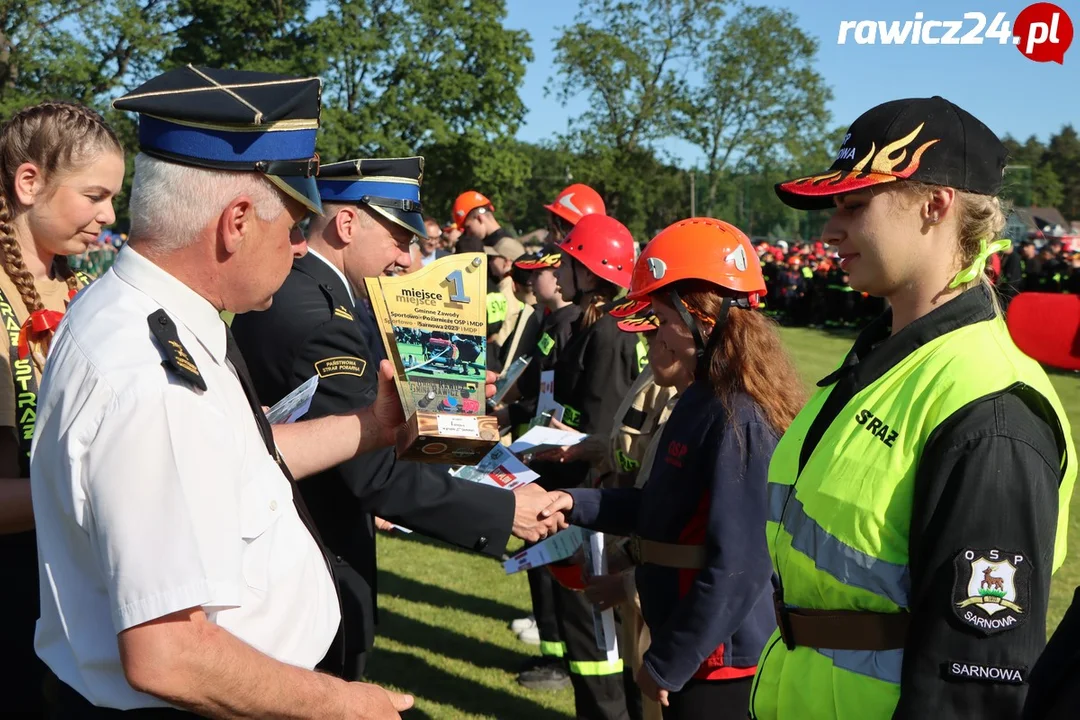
606,591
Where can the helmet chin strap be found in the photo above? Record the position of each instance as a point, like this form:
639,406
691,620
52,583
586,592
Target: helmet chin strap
579,294
704,348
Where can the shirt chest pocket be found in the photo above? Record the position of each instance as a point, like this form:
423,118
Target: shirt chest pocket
262,505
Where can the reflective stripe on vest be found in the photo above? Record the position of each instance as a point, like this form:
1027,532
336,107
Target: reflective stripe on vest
552,649
878,664
596,667
831,555
839,530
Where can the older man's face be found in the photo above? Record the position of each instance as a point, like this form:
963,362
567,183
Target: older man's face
429,243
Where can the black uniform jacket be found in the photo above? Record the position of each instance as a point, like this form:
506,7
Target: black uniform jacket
593,373
312,327
555,330
988,479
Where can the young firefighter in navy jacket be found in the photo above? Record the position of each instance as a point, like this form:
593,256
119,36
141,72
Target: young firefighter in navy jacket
698,524
594,371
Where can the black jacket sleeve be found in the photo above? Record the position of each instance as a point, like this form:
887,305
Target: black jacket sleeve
610,368
420,497
987,481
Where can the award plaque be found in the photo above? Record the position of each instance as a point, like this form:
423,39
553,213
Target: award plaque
434,323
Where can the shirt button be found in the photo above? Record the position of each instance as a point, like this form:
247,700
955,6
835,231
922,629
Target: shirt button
273,504
482,542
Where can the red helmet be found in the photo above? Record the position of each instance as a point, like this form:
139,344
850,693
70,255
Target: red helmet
568,575
577,201
698,249
604,246
467,202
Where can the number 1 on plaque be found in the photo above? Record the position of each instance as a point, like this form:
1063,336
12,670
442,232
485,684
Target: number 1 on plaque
457,285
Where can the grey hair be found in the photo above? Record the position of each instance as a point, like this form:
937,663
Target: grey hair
170,203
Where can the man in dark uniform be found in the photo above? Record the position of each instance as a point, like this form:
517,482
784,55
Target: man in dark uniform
372,214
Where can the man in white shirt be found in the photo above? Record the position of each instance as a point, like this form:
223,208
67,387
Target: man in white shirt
176,570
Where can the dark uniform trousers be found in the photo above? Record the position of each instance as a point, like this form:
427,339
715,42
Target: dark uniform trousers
312,328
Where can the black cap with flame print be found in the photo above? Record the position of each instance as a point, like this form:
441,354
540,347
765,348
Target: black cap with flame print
928,140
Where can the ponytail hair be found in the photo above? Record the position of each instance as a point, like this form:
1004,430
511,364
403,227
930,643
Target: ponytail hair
604,293
56,137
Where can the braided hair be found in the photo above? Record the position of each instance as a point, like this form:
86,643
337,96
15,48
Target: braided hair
54,136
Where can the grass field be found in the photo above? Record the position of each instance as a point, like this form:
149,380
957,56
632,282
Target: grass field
444,613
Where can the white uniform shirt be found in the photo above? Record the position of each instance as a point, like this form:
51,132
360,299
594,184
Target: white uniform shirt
152,496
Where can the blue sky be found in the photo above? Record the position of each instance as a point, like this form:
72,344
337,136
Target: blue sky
994,82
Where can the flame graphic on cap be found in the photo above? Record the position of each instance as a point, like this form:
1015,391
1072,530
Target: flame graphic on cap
883,168
541,263
646,323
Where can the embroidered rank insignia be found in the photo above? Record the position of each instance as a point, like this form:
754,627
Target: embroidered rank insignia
342,312
177,358
342,365
991,589
545,344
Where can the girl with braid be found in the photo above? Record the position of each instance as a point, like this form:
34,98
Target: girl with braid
60,167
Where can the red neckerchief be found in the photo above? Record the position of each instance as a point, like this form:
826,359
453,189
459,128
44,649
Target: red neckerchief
38,326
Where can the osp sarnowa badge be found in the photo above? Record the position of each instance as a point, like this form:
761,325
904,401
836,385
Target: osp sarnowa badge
991,589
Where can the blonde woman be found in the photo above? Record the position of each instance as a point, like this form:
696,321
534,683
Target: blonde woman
60,167
917,504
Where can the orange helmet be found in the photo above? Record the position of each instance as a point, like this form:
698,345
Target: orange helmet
604,246
467,202
577,201
698,249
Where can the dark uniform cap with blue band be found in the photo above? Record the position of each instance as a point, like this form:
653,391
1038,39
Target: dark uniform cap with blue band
389,186
233,120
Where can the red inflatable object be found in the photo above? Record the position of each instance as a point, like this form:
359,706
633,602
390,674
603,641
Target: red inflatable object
1046,326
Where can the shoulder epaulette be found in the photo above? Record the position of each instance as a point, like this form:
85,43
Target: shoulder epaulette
177,358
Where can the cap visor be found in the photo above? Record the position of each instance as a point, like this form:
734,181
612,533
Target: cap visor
299,188
817,191
639,323
545,262
624,308
413,222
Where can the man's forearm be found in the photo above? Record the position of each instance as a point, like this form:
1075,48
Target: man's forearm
16,508
213,673
311,446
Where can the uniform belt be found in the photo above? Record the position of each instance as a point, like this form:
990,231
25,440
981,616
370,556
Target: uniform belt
684,557
840,629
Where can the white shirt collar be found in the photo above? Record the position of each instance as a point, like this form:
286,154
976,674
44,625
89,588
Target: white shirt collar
340,274
179,300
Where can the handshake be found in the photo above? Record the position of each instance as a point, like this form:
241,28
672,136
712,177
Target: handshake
539,513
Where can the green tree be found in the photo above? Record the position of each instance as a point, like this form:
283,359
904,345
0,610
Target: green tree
433,77
77,49
266,35
761,100
1063,157
631,60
